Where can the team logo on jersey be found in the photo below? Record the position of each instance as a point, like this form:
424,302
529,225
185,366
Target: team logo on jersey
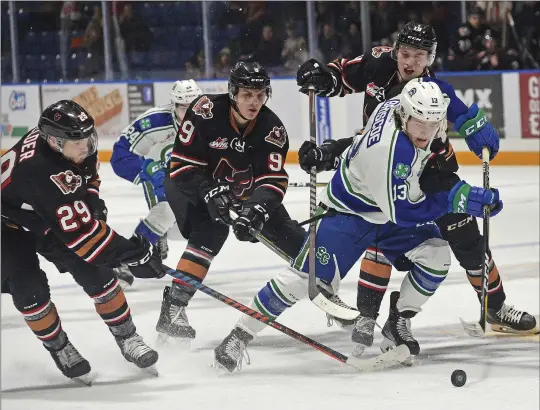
322,255
67,181
402,171
375,91
278,136
240,179
203,107
220,143
238,145
145,123
377,51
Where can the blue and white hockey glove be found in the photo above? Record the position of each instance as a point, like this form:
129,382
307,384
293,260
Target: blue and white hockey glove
153,172
478,132
466,199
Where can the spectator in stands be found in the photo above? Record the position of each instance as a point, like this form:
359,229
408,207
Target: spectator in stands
353,41
93,42
495,58
223,65
250,35
329,43
527,20
468,47
135,31
294,50
269,51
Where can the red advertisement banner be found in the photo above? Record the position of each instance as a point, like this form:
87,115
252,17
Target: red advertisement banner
529,95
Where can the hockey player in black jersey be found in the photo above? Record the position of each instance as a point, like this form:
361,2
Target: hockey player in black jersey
51,205
229,152
380,74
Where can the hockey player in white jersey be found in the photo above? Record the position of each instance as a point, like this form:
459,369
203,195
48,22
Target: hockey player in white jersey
375,198
140,155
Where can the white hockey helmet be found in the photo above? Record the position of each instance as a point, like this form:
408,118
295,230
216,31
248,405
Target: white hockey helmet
424,101
184,92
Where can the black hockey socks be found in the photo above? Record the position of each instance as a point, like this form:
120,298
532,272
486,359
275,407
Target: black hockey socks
373,281
496,295
113,308
46,325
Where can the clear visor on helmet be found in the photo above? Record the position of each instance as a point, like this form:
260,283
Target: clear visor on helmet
77,149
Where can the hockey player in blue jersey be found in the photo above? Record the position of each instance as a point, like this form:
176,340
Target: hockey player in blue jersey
375,198
140,156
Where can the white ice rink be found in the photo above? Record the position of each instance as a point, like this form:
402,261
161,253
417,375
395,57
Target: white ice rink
503,373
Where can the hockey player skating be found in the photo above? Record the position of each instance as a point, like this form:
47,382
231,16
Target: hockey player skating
140,156
229,153
375,197
48,180
378,73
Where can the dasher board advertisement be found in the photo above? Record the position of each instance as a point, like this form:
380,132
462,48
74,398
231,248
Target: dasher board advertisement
20,109
107,103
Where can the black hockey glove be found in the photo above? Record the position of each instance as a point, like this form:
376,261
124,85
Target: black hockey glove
97,207
439,174
322,157
317,75
219,198
144,261
252,216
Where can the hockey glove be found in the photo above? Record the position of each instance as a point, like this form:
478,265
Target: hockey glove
97,207
153,172
439,174
322,157
252,216
316,75
466,199
143,261
478,132
219,199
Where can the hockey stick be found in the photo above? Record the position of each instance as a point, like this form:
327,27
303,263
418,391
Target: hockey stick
479,329
343,312
524,51
315,295
306,184
391,358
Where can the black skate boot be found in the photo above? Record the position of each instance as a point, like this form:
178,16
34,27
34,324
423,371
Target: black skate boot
362,334
173,321
232,351
163,247
125,277
71,363
137,352
397,329
510,320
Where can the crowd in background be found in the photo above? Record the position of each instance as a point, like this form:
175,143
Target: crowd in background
273,33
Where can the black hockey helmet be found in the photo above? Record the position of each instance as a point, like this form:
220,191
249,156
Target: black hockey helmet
248,75
67,120
417,35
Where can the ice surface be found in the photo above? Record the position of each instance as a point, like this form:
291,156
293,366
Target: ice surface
503,373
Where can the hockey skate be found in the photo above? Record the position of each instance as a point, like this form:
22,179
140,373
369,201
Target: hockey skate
397,329
71,363
231,353
162,247
510,320
173,321
139,353
344,324
362,334
125,277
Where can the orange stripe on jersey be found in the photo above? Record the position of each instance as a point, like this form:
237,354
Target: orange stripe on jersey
477,280
376,269
92,240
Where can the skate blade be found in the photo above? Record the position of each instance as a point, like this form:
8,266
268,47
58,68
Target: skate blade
164,340
151,370
220,369
84,380
502,330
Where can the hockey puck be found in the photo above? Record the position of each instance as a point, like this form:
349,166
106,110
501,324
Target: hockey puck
459,378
